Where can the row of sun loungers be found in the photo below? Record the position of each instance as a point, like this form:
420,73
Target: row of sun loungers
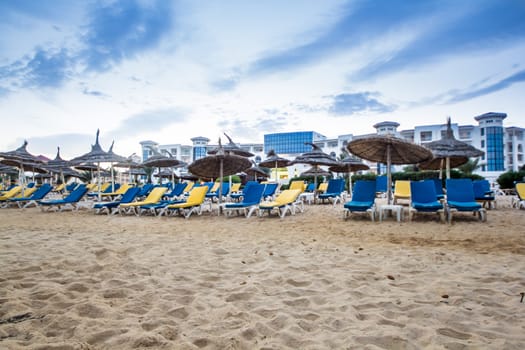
423,196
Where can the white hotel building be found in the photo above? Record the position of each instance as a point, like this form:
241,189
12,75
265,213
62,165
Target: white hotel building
503,145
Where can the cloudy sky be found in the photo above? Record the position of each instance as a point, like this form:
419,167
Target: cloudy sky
171,70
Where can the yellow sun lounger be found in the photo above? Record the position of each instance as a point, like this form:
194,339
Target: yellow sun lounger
284,202
402,190
134,207
15,191
193,204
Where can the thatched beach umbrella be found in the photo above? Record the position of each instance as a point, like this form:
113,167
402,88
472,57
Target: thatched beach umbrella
450,149
161,161
274,161
389,150
316,171
219,165
231,148
23,160
98,155
256,172
59,166
315,157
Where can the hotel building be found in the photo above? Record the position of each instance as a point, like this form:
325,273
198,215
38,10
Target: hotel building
503,146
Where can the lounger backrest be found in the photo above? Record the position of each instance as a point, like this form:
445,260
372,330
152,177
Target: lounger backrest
423,191
178,189
335,186
297,185
130,195
478,188
438,186
364,191
77,194
197,195
189,186
12,192
215,187
253,193
287,196
481,188
269,189
381,183
520,190
155,195
235,187
145,190
460,190
41,192
323,187
27,192
402,188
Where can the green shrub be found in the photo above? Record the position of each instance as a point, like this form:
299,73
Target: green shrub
507,180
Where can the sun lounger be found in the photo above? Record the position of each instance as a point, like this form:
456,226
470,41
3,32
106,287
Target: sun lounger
72,200
112,206
460,198
193,204
285,202
363,199
250,201
424,199
27,201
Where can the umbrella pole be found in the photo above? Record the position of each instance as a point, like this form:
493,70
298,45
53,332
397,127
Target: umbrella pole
99,183
21,178
220,187
448,167
389,175
112,179
350,183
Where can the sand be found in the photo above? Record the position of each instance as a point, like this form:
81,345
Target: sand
74,280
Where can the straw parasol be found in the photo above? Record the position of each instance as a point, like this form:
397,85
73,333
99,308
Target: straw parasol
389,150
315,157
231,148
349,165
256,171
98,155
274,161
450,149
316,171
161,161
21,159
58,166
219,165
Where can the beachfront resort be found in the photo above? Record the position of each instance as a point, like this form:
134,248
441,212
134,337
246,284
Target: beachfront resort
503,146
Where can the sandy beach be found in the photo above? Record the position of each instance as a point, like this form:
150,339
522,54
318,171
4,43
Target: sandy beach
75,280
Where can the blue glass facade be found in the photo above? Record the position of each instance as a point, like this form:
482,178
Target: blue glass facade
199,152
495,148
288,142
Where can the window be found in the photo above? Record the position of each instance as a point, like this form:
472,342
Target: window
482,143
443,133
287,143
332,144
425,136
482,131
464,134
495,149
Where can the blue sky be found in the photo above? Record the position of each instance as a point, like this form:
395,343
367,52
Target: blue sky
171,70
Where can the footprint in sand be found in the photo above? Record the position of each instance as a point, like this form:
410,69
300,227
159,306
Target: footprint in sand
453,333
239,297
298,283
78,287
180,312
